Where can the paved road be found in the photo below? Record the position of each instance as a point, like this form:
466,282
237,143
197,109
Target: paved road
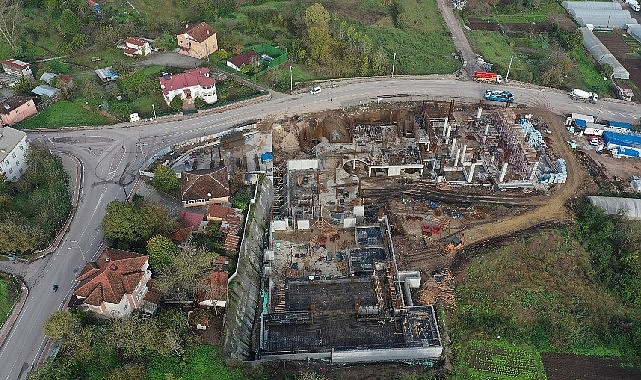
458,36
110,171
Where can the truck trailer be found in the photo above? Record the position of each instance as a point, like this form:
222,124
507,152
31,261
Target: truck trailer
634,5
485,77
586,96
499,96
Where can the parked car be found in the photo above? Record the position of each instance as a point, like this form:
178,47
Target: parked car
315,90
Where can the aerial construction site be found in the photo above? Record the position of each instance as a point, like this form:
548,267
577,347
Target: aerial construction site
373,206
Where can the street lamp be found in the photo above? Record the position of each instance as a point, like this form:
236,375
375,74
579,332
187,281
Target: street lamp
291,79
508,68
153,107
393,65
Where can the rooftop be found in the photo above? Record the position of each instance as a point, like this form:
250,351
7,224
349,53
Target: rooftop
193,77
204,184
200,32
244,58
9,138
12,103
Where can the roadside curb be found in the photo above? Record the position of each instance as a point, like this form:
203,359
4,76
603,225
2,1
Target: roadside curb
5,330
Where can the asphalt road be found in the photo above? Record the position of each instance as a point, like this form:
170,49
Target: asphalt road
111,157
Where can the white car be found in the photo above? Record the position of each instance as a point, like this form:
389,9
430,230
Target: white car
315,90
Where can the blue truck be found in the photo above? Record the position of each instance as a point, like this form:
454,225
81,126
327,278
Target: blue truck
502,96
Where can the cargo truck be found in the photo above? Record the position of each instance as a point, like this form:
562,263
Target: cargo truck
485,77
586,96
499,96
633,4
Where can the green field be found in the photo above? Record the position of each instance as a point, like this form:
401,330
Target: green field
9,292
496,359
64,113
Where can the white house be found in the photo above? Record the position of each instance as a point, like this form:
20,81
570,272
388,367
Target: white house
137,46
115,284
17,68
13,153
191,84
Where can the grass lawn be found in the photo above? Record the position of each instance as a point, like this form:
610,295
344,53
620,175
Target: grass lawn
9,292
64,113
496,359
541,294
201,363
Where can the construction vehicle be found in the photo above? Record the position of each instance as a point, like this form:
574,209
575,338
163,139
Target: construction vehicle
485,77
455,244
578,94
624,93
502,96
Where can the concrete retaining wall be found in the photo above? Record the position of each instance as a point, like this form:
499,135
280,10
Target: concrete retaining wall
244,290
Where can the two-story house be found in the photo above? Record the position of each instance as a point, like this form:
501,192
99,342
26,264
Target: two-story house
13,153
115,284
192,84
198,41
15,109
136,47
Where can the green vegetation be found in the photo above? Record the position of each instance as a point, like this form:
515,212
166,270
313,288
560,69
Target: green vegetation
33,210
573,290
161,251
496,359
64,113
129,225
9,292
165,180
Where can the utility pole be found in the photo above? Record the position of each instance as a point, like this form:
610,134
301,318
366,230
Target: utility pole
291,79
393,65
153,107
508,68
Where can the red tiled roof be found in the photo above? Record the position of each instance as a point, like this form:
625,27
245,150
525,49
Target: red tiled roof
15,64
108,279
244,58
189,78
200,32
231,242
65,78
135,41
220,212
204,184
191,219
215,287
130,51
182,234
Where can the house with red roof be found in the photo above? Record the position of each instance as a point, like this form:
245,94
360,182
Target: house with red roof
115,284
249,57
215,291
192,84
231,220
136,47
204,187
15,109
198,41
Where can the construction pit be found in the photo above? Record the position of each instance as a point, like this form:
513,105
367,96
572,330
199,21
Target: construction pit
372,207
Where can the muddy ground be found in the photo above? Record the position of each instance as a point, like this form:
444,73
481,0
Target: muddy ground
563,367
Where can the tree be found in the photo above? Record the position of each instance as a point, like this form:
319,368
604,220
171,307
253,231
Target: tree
319,39
136,336
176,103
127,372
165,180
18,238
199,102
128,225
68,24
11,21
161,251
61,324
185,277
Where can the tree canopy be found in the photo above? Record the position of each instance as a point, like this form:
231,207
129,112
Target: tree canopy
165,180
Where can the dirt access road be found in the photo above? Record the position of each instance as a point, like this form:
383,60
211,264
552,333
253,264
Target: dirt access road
553,208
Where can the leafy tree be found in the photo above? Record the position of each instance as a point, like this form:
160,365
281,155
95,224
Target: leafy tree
176,103
11,22
129,226
24,86
19,238
165,180
199,102
318,38
161,251
68,24
134,337
242,199
61,324
127,372
185,277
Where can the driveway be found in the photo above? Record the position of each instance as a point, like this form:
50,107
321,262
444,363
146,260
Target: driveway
458,36
171,59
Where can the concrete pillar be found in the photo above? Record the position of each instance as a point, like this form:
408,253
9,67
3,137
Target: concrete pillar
478,114
487,129
444,127
463,154
470,175
503,172
449,129
453,146
456,158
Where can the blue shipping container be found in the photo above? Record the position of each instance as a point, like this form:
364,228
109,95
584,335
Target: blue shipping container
621,139
628,152
619,124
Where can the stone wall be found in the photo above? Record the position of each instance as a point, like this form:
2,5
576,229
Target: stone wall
244,290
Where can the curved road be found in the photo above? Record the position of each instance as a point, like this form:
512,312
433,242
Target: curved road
112,155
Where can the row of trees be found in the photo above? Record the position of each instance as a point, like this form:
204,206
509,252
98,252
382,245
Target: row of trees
34,209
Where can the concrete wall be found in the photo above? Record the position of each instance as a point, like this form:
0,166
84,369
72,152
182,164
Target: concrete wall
244,290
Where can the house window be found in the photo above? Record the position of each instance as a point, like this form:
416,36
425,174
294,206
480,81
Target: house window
10,170
21,147
13,154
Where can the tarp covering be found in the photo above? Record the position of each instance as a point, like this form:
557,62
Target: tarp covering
629,207
619,124
602,15
602,54
620,139
628,152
